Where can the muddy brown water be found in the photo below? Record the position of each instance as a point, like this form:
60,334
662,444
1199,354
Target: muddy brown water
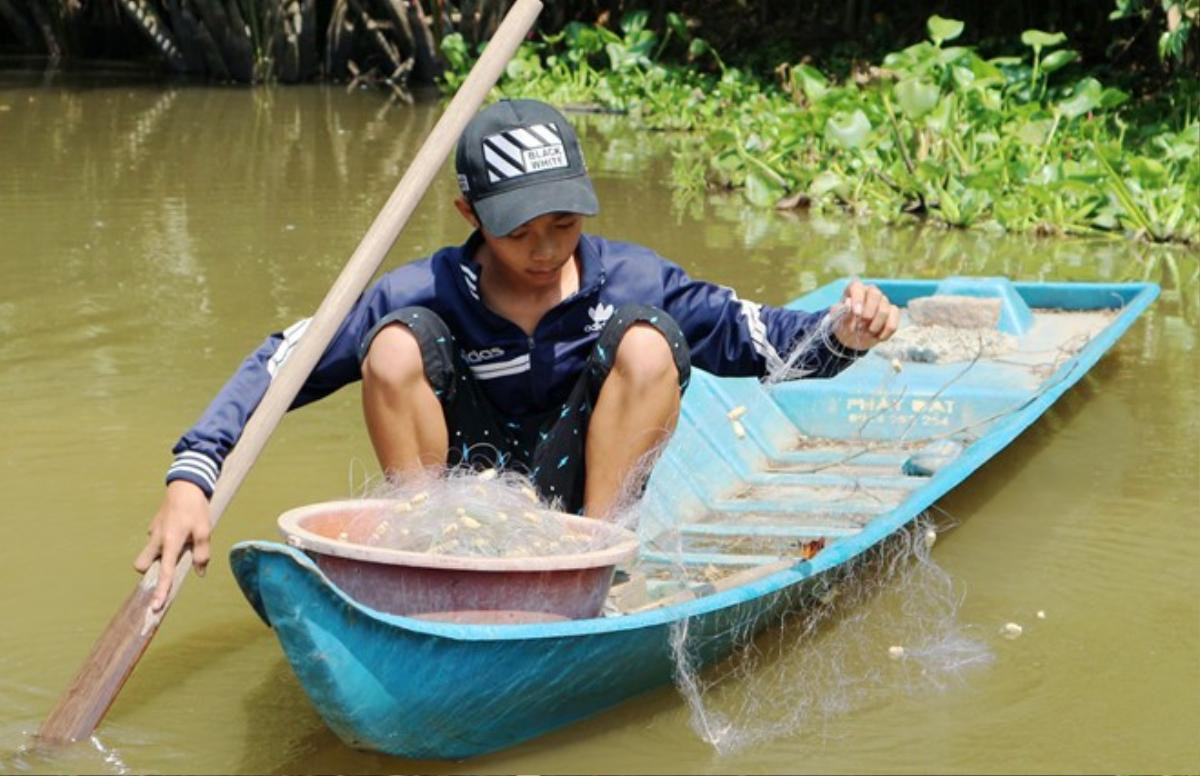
151,235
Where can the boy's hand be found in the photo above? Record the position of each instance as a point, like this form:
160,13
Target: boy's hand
181,520
866,317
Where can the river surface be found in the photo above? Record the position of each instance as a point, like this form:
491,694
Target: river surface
151,235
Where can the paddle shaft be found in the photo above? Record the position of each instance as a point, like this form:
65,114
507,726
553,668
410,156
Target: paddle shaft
116,652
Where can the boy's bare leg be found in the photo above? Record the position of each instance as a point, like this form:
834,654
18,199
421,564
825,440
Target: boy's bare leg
636,410
404,417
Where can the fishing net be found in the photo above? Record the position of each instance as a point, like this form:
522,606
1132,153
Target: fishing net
882,627
886,624
789,367
461,511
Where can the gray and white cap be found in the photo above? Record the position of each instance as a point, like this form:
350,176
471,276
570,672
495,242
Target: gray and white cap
519,159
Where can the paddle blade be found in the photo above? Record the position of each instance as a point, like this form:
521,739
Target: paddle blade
105,670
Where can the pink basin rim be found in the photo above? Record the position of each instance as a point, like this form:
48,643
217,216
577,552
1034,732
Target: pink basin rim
621,544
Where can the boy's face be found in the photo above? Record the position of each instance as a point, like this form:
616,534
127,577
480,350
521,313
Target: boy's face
532,255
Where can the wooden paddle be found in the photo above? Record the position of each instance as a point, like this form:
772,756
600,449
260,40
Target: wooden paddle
119,647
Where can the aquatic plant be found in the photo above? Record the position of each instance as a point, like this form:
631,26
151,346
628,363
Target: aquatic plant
933,131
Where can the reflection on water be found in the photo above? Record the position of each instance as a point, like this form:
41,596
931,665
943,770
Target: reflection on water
151,234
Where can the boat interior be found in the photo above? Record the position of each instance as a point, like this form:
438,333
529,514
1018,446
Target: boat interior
759,475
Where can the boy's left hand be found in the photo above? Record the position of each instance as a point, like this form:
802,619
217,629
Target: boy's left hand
866,317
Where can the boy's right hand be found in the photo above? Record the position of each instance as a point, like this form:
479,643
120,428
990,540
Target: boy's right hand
181,520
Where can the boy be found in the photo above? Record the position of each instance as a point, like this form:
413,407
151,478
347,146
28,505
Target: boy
531,346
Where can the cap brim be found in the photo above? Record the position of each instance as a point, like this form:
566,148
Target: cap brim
504,212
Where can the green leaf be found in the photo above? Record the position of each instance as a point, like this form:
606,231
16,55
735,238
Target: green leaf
698,48
1034,133
1111,98
1150,172
1124,196
1085,99
983,180
606,35
949,206
985,70
678,25
643,44
951,55
916,97
963,77
1077,171
848,131
1059,59
1124,9
1038,40
915,59
930,172
454,48
824,183
943,29
812,81
634,22
938,119
517,69
761,190
1181,145
991,99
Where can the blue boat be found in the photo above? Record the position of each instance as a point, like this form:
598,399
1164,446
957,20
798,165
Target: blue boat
750,465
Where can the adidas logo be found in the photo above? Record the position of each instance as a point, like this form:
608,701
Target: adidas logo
477,356
599,315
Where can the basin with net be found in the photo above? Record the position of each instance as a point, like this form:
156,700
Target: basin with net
457,588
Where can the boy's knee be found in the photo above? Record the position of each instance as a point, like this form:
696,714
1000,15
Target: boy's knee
393,360
644,356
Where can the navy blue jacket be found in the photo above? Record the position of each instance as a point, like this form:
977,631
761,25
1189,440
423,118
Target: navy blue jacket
522,374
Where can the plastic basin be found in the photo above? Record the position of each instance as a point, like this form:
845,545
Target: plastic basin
454,587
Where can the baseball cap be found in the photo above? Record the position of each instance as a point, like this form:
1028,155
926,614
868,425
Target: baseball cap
519,159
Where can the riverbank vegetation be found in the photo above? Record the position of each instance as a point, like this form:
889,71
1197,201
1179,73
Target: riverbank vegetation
1027,141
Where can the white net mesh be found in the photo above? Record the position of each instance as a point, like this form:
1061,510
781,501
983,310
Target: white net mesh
883,626
463,512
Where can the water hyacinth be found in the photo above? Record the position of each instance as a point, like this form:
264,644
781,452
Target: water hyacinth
934,131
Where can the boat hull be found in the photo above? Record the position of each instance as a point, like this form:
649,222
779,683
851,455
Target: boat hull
434,690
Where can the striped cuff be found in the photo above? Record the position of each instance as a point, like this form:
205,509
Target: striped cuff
196,468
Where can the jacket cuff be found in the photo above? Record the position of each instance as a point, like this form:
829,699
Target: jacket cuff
196,468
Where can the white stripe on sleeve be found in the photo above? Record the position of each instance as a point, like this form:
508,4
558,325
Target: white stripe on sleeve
201,460
751,313
196,470
291,337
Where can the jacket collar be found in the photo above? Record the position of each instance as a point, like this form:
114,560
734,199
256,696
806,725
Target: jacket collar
592,262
